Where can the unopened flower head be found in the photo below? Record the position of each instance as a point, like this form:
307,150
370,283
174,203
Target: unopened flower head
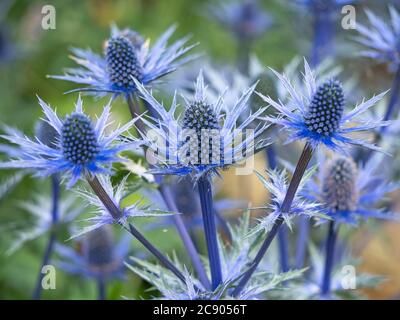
80,147
339,185
381,37
245,19
316,113
127,56
205,138
98,248
100,255
348,193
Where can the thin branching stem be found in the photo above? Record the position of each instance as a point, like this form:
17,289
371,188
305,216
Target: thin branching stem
184,234
329,258
101,288
133,105
210,230
116,213
55,186
282,233
301,167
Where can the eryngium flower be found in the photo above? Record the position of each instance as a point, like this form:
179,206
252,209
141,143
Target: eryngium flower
127,56
339,185
100,256
81,147
381,38
205,138
316,113
245,19
41,221
347,193
277,186
102,215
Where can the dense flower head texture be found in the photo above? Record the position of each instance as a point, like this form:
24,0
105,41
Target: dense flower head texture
80,148
127,56
339,184
122,63
348,192
326,108
205,138
316,113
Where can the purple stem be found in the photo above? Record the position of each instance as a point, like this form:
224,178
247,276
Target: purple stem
210,230
285,208
324,32
101,288
55,185
184,234
133,105
330,252
117,214
282,233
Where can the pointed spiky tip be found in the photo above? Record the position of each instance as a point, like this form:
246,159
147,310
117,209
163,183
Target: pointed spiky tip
326,108
339,185
78,139
98,248
46,133
201,117
122,63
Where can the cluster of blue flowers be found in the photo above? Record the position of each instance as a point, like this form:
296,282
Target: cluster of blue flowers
216,124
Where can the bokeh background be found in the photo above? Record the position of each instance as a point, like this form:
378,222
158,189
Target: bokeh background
34,53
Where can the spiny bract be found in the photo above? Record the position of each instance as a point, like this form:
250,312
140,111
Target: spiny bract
326,108
122,62
339,185
78,140
46,133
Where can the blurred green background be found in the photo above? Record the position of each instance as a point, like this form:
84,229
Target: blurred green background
86,24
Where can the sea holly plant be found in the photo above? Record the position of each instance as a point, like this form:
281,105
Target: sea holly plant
205,139
101,258
380,42
316,116
234,260
348,194
82,151
127,56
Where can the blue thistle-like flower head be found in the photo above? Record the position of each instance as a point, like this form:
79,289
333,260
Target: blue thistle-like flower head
80,147
315,112
122,63
127,56
326,108
339,185
348,193
245,19
78,139
100,255
381,38
205,138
